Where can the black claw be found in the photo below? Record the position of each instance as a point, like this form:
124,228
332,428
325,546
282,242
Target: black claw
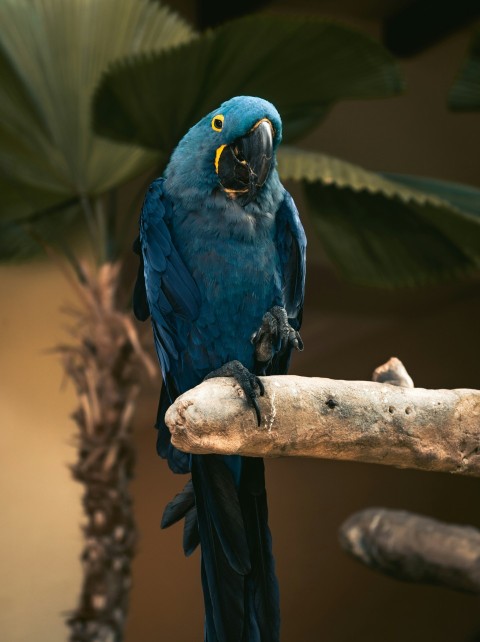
245,379
299,345
260,385
249,389
275,335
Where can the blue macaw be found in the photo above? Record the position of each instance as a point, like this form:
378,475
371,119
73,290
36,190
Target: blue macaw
222,274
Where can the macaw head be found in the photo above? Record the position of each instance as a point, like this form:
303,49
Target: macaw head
231,151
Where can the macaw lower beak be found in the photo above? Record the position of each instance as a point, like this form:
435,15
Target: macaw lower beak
243,166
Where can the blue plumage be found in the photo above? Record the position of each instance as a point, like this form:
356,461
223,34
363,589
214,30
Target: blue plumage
221,245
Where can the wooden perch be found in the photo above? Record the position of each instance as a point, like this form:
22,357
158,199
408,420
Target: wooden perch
414,548
332,419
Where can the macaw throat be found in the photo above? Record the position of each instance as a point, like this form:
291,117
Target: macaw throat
243,166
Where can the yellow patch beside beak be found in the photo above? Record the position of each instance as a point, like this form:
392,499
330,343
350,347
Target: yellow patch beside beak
218,153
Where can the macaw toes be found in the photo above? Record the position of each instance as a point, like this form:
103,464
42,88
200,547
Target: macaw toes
222,275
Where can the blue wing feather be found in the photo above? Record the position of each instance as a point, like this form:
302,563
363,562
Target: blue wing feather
291,245
165,287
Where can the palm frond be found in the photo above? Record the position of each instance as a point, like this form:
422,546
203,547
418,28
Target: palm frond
302,65
388,230
52,55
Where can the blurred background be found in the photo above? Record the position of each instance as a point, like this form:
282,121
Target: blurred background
348,330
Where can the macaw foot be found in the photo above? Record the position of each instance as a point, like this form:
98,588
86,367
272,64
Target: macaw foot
275,335
247,381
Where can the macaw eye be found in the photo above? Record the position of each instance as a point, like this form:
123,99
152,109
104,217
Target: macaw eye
217,122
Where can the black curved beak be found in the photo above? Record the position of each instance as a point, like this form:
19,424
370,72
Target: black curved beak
243,166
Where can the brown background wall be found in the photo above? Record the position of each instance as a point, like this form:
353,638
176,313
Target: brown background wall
347,332
39,505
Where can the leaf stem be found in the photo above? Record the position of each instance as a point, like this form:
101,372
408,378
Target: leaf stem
103,240
91,224
112,212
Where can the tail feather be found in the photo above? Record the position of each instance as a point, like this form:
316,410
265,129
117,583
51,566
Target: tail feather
262,585
238,570
191,536
210,632
214,480
179,506
223,587
241,601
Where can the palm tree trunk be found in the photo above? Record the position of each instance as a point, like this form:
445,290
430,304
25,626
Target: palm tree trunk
104,364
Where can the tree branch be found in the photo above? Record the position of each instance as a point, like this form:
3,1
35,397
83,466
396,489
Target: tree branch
329,419
414,548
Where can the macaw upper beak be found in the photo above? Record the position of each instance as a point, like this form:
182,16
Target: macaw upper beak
243,166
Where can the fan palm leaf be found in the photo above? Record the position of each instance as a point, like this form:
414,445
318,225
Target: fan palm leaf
52,55
386,229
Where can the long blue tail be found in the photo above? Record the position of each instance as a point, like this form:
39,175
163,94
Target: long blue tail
238,571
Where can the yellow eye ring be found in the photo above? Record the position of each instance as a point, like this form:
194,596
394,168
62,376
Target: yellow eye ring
217,122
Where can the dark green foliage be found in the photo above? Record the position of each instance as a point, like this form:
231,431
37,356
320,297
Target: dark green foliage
463,197
386,229
302,65
49,155
465,93
390,242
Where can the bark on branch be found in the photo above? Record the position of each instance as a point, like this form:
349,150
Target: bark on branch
414,548
332,419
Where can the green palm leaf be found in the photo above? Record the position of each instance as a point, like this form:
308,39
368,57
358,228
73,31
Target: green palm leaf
462,197
388,230
52,55
302,65
465,93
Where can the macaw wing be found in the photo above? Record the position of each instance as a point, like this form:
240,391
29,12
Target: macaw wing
165,289
291,246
